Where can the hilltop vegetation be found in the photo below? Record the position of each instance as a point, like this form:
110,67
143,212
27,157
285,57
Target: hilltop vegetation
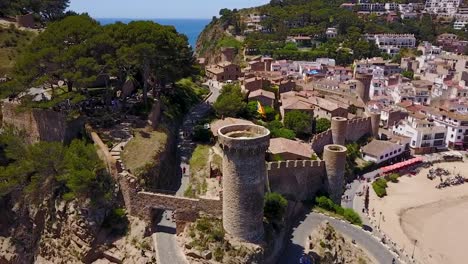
12,41
312,18
43,10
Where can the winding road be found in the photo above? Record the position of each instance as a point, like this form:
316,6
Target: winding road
295,248
164,238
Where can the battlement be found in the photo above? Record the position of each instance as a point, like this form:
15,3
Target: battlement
295,164
359,120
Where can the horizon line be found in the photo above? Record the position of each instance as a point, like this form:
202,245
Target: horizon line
141,18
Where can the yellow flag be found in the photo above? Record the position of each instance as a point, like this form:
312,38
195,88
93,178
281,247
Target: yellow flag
260,109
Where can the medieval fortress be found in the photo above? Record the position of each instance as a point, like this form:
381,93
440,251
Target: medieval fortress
246,175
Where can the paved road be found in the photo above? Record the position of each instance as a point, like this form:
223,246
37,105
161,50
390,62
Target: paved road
296,246
167,249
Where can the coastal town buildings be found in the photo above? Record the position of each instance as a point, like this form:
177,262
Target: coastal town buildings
442,7
426,136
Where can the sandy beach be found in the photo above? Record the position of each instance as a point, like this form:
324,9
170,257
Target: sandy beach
415,210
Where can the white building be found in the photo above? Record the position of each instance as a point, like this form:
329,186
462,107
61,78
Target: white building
379,151
442,7
423,133
392,43
455,123
331,32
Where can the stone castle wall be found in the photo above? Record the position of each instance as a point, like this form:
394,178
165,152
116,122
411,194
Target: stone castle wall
140,203
357,128
296,179
321,140
41,124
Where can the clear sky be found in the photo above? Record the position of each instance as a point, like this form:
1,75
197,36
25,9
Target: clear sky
158,8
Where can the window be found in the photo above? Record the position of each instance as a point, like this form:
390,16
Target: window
386,155
381,157
460,130
459,137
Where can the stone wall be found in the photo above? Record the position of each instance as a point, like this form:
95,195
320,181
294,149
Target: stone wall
357,128
297,180
140,203
41,124
321,140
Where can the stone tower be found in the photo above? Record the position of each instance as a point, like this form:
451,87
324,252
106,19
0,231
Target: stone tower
363,86
375,123
244,173
335,163
339,127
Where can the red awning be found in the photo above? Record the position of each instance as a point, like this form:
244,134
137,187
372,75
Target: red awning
401,164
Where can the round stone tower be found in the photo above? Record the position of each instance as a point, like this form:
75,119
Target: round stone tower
363,86
375,123
335,163
339,126
244,173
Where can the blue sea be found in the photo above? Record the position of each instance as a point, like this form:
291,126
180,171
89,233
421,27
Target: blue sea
190,27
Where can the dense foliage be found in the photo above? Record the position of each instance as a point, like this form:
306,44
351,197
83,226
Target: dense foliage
46,10
274,207
230,102
312,18
45,168
322,125
380,187
299,122
78,50
277,130
347,213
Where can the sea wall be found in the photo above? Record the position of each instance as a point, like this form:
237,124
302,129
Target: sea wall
41,124
297,180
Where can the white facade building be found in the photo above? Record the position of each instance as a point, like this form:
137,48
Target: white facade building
423,133
392,43
440,7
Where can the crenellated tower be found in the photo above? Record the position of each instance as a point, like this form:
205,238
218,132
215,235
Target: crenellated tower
244,173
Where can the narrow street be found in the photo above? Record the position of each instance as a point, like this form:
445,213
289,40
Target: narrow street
165,243
296,246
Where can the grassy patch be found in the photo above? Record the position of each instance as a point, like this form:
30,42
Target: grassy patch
142,151
11,42
199,159
198,172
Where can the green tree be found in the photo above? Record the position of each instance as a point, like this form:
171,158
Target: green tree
61,53
230,102
322,125
408,74
299,122
274,207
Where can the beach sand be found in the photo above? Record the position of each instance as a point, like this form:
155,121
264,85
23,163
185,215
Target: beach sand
437,218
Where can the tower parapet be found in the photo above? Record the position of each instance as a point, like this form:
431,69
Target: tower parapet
244,173
335,163
363,87
375,123
339,127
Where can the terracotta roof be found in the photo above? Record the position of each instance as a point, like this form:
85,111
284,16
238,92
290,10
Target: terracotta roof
282,145
216,125
261,92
